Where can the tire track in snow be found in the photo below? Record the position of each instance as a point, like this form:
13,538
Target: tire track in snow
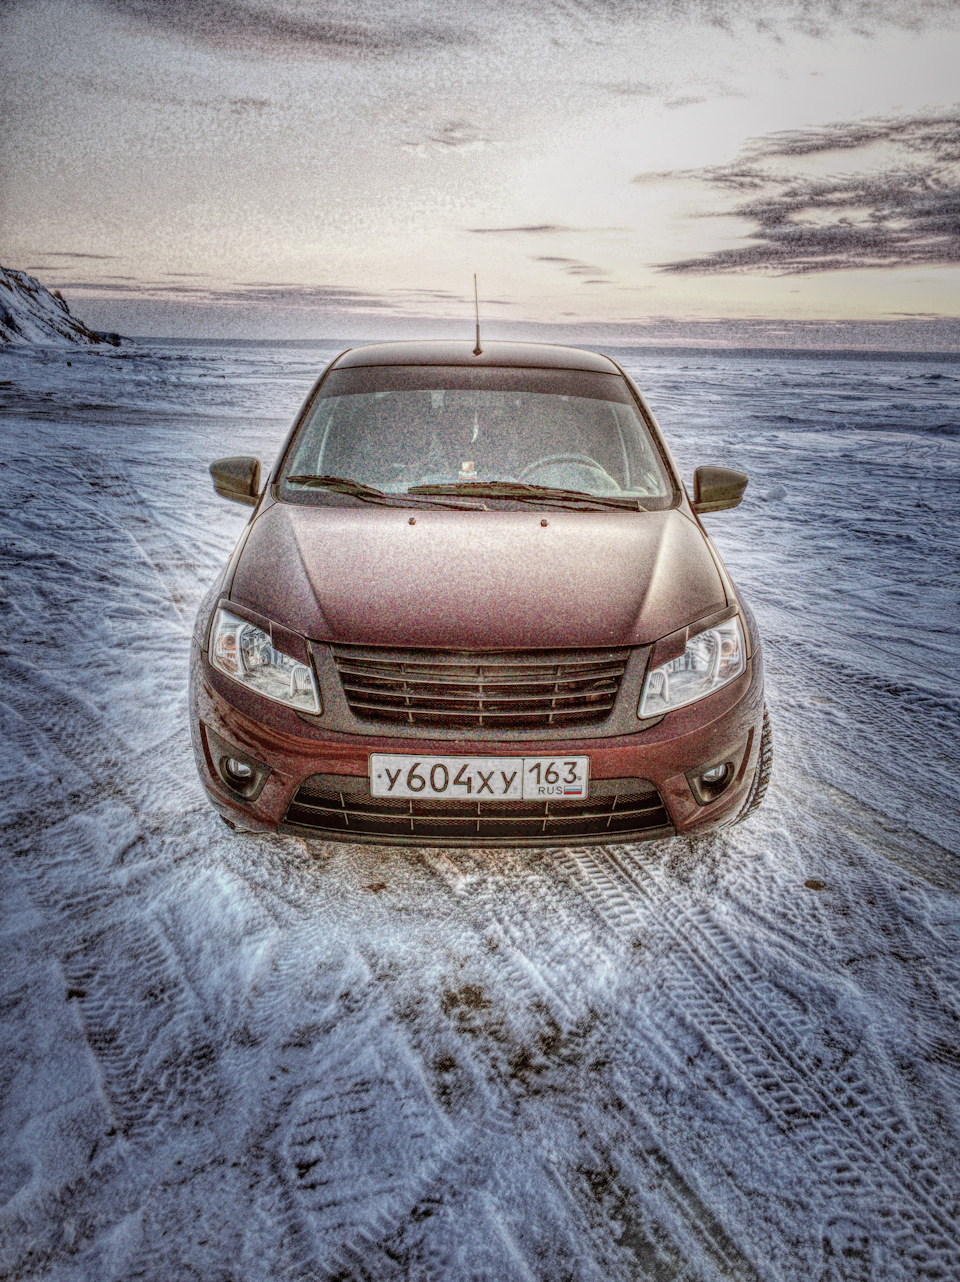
108,497
148,1035
448,1024
349,1140
902,845
856,1138
97,526
685,1229
369,1110
497,1068
347,1133
164,1052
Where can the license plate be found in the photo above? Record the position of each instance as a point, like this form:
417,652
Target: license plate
478,778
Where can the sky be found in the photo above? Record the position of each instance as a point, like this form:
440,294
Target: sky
629,168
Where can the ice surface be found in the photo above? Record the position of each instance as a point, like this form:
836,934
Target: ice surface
230,1057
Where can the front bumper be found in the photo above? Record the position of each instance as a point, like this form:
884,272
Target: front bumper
301,770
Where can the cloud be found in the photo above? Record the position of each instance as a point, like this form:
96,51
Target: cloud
346,28
573,267
819,19
279,293
777,21
540,229
686,100
671,95
935,133
48,253
239,106
131,91
454,135
905,213
630,89
282,294
529,229
251,25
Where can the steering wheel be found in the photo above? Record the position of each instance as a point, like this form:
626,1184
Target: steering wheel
584,460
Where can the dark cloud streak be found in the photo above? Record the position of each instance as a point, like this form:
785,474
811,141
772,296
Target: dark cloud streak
56,253
350,29
263,28
281,294
819,19
573,267
530,229
936,134
453,135
904,215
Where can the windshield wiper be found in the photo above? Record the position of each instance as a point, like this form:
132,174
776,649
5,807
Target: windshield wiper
528,493
368,493
341,485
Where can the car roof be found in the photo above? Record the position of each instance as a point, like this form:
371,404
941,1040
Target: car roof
461,352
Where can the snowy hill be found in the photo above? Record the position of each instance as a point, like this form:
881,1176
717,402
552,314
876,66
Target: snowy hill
29,313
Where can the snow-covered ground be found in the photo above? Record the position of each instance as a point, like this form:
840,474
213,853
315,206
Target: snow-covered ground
232,1057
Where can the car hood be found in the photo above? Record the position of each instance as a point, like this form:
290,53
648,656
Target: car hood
477,580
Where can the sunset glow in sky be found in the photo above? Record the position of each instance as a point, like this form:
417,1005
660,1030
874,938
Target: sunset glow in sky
275,167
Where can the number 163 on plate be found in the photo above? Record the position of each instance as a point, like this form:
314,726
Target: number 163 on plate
478,778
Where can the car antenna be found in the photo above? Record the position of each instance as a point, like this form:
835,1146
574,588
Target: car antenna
478,350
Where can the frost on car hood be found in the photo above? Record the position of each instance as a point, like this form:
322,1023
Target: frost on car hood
477,580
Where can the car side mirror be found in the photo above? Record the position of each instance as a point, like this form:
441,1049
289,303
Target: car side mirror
715,488
237,479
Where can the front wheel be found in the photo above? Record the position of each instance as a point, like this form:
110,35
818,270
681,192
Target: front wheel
761,777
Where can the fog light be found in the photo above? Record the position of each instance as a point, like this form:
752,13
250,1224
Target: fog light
710,782
244,775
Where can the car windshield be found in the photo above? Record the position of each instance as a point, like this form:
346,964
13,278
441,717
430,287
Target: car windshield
500,434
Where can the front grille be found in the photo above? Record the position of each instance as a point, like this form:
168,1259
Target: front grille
341,805
518,690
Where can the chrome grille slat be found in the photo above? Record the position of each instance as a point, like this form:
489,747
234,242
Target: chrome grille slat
460,690
456,717
362,681
426,676
521,689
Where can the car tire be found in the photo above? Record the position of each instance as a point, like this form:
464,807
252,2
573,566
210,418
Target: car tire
761,776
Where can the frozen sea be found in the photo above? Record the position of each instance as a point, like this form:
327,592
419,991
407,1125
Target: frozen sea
246,1059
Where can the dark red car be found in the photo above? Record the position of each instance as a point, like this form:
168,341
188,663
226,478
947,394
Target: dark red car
475,606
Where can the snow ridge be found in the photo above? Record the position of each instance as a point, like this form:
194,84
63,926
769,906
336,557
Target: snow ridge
30,313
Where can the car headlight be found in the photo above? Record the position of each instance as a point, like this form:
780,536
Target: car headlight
711,659
244,651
